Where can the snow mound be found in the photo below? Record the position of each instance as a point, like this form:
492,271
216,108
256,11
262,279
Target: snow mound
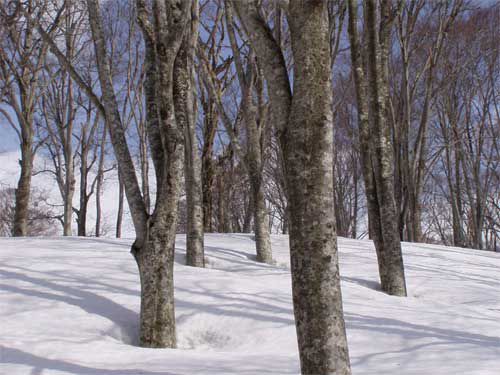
70,306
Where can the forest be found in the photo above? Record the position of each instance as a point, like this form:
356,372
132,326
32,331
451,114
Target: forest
309,120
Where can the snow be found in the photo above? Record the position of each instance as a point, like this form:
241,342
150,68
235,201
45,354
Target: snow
70,306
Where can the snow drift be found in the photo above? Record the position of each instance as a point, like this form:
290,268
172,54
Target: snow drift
70,306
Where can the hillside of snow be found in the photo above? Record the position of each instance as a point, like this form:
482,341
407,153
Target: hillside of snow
70,306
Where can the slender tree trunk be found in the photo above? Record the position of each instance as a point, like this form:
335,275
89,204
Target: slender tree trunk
82,211
99,183
247,221
186,118
209,131
119,214
69,189
375,144
261,223
254,163
221,201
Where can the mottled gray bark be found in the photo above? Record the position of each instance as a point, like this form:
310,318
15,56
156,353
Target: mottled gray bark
154,246
185,116
305,126
253,156
313,241
166,88
376,145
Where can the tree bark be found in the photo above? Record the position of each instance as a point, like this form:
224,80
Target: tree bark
155,256
376,148
305,128
23,188
185,116
313,242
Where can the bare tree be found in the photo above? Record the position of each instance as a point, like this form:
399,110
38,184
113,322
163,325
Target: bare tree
304,124
376,149
22,56
186,116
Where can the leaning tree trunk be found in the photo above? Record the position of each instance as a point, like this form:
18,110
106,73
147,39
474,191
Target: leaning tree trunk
317,297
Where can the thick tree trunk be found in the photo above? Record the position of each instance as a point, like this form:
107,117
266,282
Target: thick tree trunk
155,260
165,89
304,124
21,214
317,296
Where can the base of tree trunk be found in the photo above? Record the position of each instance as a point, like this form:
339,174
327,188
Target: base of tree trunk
157,320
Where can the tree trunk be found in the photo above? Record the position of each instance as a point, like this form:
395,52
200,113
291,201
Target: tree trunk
100,182
119,214
317,296
69,189
165,49
155,260
304,125
375,144
261,223
247,221
82,210
209,131
186,118
23,189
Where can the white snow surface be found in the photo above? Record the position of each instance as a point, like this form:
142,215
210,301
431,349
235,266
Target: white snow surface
70,306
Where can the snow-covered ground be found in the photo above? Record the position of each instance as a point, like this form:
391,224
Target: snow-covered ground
70,306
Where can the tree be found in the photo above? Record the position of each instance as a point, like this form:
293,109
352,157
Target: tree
304,124
252,116
153,248
186,108
376,148
22,56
